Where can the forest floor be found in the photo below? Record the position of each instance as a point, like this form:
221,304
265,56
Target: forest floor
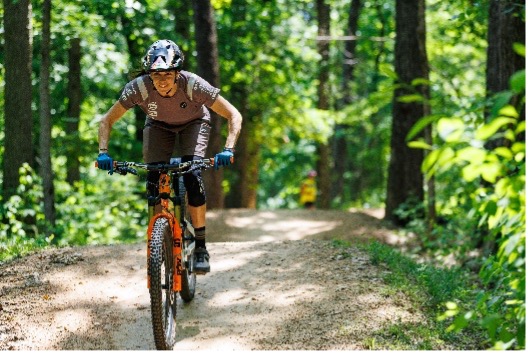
277,282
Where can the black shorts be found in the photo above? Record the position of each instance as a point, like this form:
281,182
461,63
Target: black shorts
159,140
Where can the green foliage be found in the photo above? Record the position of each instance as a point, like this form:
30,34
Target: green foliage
22,219
92,215
86,214
490,159
430,287
440,284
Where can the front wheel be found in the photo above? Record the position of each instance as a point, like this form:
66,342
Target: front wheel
162,297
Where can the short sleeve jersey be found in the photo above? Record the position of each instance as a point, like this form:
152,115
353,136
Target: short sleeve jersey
192,96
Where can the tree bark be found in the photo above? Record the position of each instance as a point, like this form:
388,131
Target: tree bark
340,140
136,53
405,180
45,119
208,68
505,28
323,91
74,110
18,142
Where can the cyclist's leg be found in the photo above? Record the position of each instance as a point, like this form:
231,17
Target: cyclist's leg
158,145
197,209
194,139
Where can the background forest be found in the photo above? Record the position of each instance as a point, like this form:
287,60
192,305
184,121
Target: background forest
414,106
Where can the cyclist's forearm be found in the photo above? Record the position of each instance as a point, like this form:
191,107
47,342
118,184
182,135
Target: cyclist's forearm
105,126
234,126
233,116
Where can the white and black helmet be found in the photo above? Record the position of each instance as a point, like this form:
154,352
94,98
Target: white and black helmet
163,55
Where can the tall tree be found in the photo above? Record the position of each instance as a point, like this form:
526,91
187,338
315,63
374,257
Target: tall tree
74,110
405,180
46,170
506,27
340,141
208,68
18,142
136,51
323,101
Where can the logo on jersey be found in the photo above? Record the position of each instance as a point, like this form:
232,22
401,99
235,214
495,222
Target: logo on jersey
152,109
183,104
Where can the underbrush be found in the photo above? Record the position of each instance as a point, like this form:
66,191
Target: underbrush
86,214
429,287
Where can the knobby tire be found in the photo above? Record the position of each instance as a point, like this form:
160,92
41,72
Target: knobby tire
162,297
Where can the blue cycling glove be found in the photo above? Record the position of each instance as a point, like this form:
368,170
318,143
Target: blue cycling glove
223,158
105,162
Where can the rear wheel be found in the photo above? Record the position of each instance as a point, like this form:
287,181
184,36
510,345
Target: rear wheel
188,275
162,297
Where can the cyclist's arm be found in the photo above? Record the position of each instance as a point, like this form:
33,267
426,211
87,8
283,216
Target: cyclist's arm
224,108
108,120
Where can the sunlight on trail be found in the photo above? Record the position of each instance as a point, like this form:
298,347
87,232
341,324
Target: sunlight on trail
293,229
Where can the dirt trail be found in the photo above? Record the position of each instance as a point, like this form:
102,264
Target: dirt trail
277,283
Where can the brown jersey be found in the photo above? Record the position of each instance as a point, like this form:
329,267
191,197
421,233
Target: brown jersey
192,96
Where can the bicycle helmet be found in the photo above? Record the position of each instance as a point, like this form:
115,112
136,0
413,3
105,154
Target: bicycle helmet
163,55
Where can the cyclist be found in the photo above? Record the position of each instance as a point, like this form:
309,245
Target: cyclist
175,102
308,193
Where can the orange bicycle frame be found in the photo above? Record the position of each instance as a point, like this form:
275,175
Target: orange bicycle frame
164,187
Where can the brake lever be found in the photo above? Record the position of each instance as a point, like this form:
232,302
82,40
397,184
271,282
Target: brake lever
124,170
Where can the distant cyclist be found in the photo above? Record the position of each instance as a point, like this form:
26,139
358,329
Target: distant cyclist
308,193
175,102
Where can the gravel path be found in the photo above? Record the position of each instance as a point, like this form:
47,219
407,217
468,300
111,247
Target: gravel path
277,283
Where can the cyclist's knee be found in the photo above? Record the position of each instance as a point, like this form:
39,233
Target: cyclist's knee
195,188
194,184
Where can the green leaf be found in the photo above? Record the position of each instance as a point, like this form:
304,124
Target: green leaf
509,111
504,152
472,154
430,160
420,81
421,124
520,127
419,144
488,130
491,171
411,98
388,70
519,48
518,81
450,129
470,172
500,100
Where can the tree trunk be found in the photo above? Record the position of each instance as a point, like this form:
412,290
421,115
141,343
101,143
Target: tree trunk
136,53
74,110
18,142
323,149
183,26
45,119
340,141
505,28
405,181
208,68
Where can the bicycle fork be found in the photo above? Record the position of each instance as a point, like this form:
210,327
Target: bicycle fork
164,190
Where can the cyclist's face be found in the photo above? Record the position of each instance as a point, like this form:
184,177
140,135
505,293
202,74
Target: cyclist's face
164,81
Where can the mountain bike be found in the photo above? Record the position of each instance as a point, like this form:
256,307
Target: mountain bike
171,243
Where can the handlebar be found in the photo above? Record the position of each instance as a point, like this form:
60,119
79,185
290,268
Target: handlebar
124,167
